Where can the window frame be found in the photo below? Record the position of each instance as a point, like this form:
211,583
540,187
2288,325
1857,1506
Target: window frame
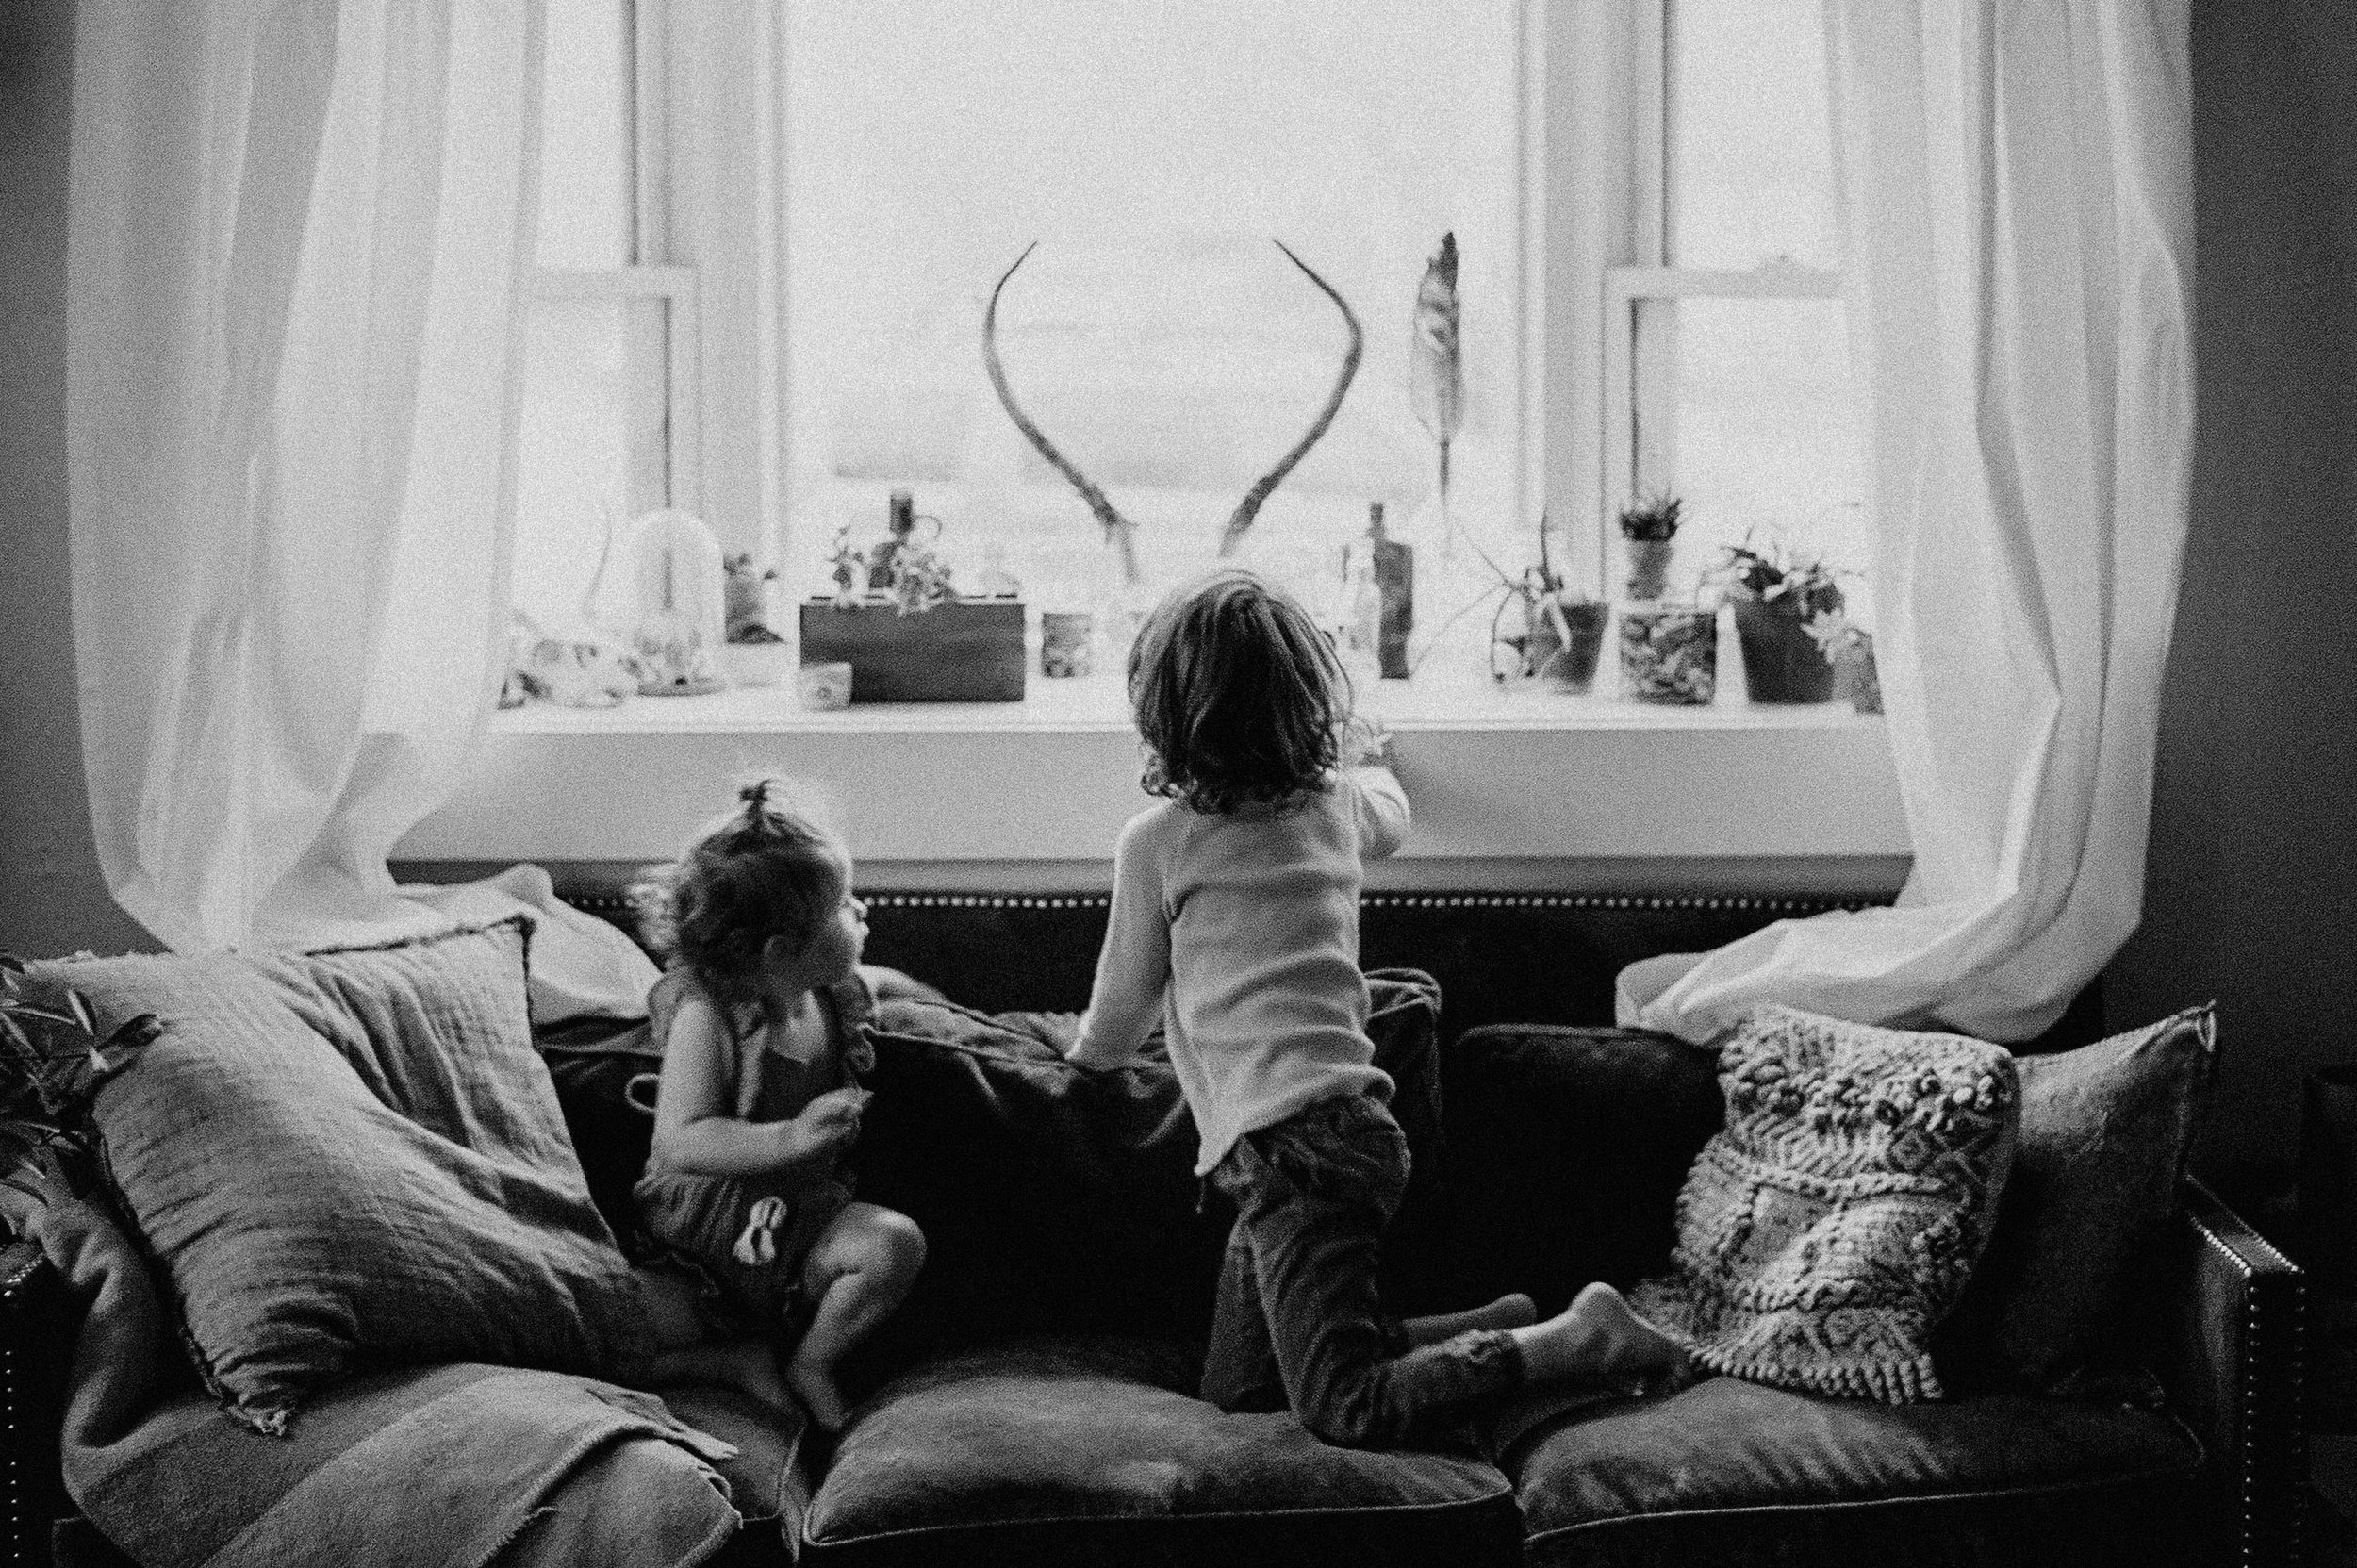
1596,379
1640,348
665,363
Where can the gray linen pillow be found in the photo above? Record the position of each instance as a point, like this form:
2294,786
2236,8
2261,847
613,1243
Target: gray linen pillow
2105,1131
349,1156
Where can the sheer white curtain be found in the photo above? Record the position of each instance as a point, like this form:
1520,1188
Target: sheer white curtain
296,233
2017,204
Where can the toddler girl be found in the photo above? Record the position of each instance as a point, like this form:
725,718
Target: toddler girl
759,1016
1235,925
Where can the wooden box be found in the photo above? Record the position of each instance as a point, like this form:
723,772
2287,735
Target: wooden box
963,650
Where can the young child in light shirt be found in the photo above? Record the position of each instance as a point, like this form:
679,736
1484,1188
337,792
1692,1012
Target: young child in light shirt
1235,927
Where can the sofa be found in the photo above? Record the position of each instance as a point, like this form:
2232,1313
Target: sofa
1033,1403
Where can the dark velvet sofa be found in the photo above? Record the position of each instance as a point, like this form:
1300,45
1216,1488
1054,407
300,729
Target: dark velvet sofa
1032,1405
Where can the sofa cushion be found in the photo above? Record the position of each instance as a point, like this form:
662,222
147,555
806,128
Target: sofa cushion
1567,1147
1058,1200
2105,1131
1826,1230
353,1156
1734,1471
769,1475
1046,1452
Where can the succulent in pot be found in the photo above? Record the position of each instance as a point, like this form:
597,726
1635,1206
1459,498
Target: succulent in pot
1649,529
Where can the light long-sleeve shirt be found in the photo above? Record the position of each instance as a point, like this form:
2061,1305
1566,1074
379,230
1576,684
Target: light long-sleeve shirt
1239,933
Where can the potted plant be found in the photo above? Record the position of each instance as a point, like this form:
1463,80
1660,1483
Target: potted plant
51,1061
907,634
1850,649
1562,630
1649,526
1776,593
754,654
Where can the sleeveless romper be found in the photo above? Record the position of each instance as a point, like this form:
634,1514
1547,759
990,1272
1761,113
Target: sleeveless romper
698,1219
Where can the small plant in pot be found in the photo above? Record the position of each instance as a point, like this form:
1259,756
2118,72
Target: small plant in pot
1561,634
1649,529
1850,649
1778,592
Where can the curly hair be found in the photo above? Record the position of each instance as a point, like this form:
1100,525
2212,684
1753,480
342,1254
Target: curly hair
768,870
1236,694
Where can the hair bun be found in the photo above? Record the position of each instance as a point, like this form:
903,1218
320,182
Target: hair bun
756,795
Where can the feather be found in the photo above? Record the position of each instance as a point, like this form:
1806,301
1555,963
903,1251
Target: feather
1436,373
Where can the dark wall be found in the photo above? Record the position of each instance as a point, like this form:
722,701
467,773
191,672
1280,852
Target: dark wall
52,899
2251,885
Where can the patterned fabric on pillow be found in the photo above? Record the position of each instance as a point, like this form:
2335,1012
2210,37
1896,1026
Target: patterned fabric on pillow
1829,1227
353,1156
2105,1131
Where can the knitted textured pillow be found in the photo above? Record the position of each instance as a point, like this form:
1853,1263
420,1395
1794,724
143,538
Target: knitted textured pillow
1829,1227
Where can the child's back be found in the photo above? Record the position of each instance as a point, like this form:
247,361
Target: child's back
1266,1007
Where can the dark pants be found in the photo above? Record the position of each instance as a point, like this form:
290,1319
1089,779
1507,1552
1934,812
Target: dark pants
1297,1322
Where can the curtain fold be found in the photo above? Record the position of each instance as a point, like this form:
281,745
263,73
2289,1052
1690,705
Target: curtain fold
296,234
2017,199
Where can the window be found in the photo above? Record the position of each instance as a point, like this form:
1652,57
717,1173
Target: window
1725,350
1640,193
1157,336
608,402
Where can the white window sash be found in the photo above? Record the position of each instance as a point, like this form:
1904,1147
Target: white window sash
1641,359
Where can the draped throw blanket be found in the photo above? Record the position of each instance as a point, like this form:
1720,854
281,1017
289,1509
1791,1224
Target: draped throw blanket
454,1464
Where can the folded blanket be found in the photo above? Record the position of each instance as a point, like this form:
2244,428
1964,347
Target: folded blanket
447,1466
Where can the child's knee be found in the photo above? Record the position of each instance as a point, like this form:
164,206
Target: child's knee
895,1244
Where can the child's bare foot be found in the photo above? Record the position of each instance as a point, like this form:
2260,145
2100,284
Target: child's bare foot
1597,1339
1516,1311
816,1387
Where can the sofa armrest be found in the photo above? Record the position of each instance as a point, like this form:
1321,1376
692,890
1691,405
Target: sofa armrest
36,1345
2233,1357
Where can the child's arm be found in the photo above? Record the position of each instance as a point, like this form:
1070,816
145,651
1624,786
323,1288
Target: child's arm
695,1129
1133,967
1381,809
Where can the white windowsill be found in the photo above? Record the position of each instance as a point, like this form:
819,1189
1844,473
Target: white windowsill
1515,790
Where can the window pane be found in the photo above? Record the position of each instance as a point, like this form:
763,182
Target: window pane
586,162
1767,435
1751,171
590,451
1161,340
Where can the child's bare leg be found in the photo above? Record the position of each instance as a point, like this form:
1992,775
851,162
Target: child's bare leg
859,1270
1597,1339
1516,1311
681,1349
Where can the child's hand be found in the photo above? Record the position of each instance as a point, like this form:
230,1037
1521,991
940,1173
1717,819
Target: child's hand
1365,740
827,1126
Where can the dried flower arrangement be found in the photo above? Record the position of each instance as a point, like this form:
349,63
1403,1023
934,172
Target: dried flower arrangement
1436,370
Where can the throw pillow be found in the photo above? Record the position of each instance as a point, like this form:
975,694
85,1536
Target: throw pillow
354,1156
1828,1229
1059,1200
2105,1131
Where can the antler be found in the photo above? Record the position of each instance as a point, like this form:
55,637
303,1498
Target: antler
1249,508
1117,528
